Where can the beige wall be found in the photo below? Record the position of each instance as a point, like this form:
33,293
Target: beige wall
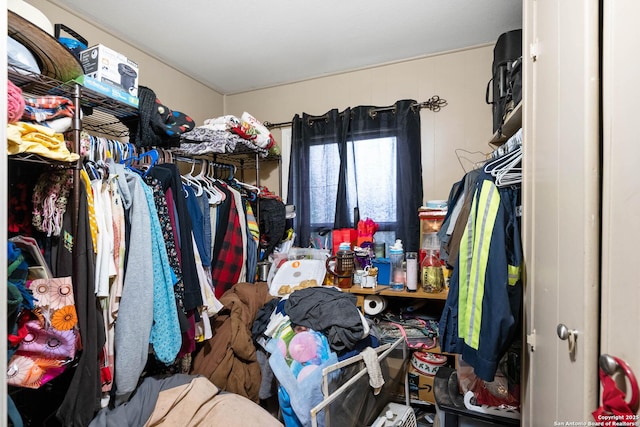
176,90
459,77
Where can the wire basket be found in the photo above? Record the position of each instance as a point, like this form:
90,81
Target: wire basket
396,415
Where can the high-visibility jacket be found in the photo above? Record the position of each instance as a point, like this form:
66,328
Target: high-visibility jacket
483,307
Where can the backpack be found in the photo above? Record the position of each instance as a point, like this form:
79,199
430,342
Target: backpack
272,223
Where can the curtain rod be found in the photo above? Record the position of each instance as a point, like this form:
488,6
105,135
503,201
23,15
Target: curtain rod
435,103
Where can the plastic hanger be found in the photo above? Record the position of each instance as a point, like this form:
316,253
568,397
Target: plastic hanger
212,195
507,170
211,177
190,180
144,162
128,154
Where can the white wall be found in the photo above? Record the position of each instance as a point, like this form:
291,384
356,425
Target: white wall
459,77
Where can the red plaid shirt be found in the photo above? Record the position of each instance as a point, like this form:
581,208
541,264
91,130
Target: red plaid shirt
226,270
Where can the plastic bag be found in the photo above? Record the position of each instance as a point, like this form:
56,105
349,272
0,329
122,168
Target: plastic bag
297,360
366,229
500,392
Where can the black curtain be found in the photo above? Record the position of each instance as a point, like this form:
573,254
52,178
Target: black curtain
401,120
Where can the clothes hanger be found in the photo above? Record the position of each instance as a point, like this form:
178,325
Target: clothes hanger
128,153
500,161
115,148
144,162
475,164
255,191
211,177
512,143
213,195
507,169
190,180
510,173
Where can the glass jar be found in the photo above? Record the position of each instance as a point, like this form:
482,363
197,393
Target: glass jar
431,273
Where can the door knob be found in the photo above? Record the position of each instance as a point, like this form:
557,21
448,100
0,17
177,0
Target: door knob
570,335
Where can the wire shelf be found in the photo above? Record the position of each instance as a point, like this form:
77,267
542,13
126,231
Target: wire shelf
100,114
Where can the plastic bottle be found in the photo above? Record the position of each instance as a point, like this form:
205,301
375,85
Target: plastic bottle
431,272
412,271
396,257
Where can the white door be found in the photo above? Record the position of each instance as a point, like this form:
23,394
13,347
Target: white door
621,182
561,208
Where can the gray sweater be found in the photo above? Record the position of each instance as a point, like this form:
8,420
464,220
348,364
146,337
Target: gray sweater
135,315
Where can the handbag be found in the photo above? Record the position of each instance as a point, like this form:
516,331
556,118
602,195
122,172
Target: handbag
417,333
49,336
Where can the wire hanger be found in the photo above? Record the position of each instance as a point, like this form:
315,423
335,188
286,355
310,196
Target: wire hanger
475,164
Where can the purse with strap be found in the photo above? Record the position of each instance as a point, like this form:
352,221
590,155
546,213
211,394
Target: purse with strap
419,334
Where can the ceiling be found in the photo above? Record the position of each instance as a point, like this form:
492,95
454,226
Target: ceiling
242,45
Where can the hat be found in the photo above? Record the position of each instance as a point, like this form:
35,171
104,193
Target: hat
54,59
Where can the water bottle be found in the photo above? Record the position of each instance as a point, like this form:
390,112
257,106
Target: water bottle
396,257
412,271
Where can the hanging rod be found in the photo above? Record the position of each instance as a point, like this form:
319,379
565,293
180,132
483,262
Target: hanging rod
435,103
213,163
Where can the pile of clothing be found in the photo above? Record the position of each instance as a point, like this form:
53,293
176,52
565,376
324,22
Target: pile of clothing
311,329
36,125
185,400
227,134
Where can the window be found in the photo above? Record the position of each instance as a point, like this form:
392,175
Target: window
371,184
367,157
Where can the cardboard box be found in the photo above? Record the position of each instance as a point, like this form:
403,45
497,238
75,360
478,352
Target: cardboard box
108,90
420,386
110,67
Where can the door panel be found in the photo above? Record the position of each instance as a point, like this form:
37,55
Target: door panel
561,207
621,182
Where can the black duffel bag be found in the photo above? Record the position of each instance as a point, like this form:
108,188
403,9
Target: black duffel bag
506,71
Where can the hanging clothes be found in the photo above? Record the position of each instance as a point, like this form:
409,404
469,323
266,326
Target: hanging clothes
230,246
165,330
482,310
135,316
115,290
169,176
82,398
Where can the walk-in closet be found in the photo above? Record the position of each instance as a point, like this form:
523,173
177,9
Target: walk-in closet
319,215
